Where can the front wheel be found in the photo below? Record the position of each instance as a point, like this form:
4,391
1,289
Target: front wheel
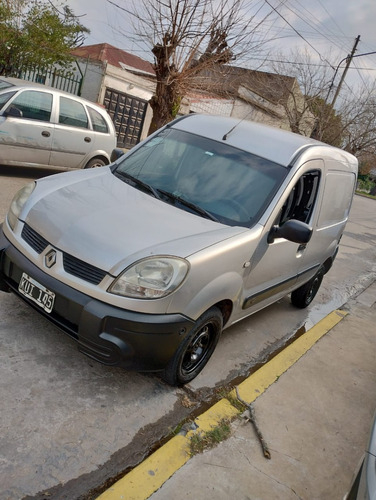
303,296
194,352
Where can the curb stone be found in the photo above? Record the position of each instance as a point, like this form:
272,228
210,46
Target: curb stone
154,471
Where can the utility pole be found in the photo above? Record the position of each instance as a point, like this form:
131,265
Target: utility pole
348,62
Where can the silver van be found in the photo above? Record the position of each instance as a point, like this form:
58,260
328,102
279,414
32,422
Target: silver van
45,127
144,262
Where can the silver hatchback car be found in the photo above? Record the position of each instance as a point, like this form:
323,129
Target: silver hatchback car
45,127
209,220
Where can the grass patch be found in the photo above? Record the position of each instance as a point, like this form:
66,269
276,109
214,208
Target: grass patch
232,399
207,440
229,394
176,430
367,195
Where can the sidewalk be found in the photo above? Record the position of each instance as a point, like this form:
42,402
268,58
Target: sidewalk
315,418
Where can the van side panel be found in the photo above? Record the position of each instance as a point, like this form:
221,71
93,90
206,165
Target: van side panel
335,206
336,203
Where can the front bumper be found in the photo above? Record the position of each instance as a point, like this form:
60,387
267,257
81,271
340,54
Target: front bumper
108,334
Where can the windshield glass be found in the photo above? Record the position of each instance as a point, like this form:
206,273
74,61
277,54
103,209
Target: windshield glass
233,186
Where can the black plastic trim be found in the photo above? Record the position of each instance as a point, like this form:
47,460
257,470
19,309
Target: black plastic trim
273,290
106,333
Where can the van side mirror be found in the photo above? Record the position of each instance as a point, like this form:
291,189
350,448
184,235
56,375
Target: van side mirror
292,230
13,111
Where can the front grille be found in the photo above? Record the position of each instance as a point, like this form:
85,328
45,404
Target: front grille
72,265
82,269
35,240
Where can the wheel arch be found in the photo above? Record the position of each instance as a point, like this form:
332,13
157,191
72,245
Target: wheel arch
223,292
102,157
225,306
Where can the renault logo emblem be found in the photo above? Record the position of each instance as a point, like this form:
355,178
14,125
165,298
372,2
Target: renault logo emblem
50,258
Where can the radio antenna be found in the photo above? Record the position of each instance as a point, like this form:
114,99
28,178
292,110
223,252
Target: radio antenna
224,138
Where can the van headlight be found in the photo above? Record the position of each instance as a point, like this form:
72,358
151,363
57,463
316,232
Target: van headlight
18,203
151,278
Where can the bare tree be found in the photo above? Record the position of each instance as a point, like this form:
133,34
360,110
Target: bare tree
305,101
358,112
188,36
351,125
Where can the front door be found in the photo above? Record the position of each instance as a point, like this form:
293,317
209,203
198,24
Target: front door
27,139
275,267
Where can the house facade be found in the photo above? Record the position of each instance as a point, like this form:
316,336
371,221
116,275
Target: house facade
124,84
269,98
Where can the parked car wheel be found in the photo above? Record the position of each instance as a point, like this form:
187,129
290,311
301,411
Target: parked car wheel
95,162
195,351
304,295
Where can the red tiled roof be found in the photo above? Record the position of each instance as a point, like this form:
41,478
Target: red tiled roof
115,57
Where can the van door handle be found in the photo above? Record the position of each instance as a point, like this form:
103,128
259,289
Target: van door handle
301,248
87,139
45,133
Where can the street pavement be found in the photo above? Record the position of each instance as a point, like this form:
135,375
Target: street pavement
314,419
68,425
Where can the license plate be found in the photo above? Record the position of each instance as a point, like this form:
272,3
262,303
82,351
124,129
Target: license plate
36,292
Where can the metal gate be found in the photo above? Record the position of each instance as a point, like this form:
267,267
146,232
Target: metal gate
53,77
128,114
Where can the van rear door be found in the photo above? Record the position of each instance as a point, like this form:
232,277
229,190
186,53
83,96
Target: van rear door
73,139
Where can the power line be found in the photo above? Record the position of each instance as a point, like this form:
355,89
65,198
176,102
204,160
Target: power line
296,63
332,19
297,32
306,21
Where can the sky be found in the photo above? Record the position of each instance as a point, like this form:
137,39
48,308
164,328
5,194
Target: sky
326,28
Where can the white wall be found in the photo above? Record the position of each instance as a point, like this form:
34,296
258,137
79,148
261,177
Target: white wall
132,85
93,75
210,106
129,83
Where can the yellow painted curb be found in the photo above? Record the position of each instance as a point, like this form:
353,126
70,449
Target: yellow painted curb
222,410
152,473
149,476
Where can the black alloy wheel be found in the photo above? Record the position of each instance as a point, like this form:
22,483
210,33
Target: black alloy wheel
304,295
194,352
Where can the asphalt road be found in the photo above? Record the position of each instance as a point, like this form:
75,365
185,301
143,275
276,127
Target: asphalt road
68,423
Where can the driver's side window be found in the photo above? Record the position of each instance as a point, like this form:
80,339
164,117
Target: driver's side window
300,203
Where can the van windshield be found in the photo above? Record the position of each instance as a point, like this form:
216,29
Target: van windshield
203,176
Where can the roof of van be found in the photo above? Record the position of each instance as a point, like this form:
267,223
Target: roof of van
268,142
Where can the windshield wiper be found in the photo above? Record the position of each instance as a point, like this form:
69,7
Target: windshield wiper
188,204
138,183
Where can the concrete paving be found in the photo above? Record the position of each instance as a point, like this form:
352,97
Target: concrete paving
315,420
68,424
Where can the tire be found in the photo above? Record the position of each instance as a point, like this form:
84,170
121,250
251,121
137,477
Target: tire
95,162
195,350
303,296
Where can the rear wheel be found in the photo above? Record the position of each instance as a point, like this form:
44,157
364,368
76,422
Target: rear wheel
95,162
304,295
194,352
